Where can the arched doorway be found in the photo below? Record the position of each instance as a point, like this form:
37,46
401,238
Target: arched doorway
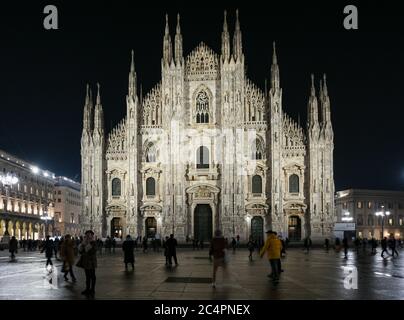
257,229
116,228
294,228
151,227
203,222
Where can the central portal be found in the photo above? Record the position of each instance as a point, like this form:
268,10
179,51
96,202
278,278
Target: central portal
203,222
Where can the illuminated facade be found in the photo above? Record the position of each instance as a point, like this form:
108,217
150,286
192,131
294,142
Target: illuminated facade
26,198
205,149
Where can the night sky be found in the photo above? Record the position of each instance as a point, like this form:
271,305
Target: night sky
43,73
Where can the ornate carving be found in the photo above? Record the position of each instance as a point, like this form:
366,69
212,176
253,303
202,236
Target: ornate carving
294,138
254,103
116,143
152,108
203,192
202,64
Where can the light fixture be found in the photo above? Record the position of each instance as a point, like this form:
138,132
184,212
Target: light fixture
45,174
346,218
35,170
8,179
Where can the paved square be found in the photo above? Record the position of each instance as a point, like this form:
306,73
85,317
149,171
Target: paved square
317,275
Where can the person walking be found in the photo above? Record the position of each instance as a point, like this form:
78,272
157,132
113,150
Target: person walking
113,241
144,245
393,246
166,250
384,246
373,244
337,245
13,247
128,248
327,244
88,261
364,244
56,247
345,244
48,247
307,244
171,244
357,244
234,244
251,247
68,257
273,248
218,251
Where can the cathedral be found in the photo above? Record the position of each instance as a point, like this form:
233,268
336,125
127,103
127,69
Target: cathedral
208,149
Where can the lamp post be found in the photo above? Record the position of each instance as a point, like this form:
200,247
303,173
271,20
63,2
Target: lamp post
383,213
8,181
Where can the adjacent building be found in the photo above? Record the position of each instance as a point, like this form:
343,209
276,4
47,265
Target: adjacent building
67,207
371,211
26,199
208,149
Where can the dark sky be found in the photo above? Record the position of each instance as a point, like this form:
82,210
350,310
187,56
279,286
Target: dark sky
43,73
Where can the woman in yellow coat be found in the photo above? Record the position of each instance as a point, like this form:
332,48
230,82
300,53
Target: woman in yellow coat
272,247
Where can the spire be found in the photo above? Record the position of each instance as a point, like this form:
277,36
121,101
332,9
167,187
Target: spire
178,42
225,39
313,89
167,45
275,81
88,111
325,90
98,114
98,102
132,78
312,107
237,41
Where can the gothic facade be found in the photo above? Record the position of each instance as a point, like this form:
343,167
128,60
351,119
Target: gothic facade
206,149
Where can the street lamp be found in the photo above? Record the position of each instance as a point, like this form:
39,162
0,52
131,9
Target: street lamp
382,214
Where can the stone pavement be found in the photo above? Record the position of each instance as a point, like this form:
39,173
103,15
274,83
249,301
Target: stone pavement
317,275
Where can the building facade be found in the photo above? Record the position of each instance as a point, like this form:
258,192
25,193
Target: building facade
206,149
362,205
67,196
26,199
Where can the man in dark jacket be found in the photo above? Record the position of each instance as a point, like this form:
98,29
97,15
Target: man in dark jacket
48,248
13,247
384,246
345,244
171,245
128,247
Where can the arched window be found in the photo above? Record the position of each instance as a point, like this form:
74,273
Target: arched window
150,187
294,183
116,187
202,107
151,153
257,150
256,184
202,158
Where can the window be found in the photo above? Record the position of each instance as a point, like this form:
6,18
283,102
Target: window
257,184
202,158
151,153
391,221
390,205
359,204
400,220
72,218
370,220
344,205
59,192
59,200
369,205
400,206
202,107
359,220
294,183
257,152
116,187
150,186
